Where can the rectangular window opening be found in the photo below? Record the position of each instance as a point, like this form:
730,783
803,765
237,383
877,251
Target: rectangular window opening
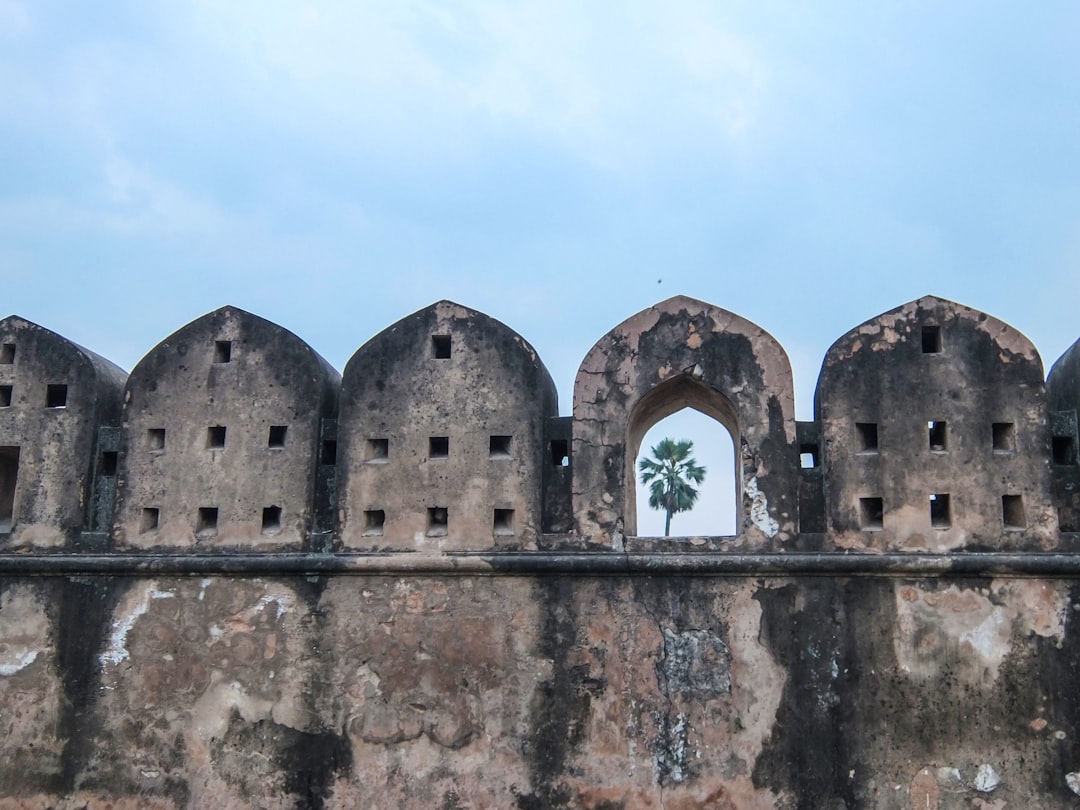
1003,437
438,521
439,447
374,522
871,514
440,347
271,520
1012,512
938,439
866,433
155,439
377,450
1064,449
940,511
329,452
503,522
149,520
7,354
9,474
499,447
5,396
56,396
560,453
808,456
222,351
277,436
931,339
215,437
207,525
108,463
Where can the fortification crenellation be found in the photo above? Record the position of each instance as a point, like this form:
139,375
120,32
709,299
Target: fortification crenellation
934,430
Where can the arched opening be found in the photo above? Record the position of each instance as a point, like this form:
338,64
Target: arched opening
685,408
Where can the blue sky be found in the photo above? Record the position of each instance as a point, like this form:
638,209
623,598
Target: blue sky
559,165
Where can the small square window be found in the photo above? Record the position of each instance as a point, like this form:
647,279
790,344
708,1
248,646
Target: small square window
155,439
808,456
215,437
439,447
440,347
871,514
108,463
931,339
377,449
866,434
560,453
277,436
222,351
1012,512
940,511
329,452
5,396
499,447
438,521
1003,437
208,519
374,522
149,519
503,522
938,438
56,396
271,520
7,354
1064,450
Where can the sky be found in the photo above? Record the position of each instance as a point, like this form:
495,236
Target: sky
560,166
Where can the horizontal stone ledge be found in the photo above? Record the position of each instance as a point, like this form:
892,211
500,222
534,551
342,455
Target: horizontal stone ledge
547,564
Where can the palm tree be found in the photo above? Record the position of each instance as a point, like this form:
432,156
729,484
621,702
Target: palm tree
669,475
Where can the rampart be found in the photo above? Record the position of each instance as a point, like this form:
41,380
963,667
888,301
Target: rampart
236,578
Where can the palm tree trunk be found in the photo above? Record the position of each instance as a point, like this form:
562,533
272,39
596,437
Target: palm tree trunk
667,522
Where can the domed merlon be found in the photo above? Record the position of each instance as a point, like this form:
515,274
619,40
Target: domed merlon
935,435
54,396
222,435
441,435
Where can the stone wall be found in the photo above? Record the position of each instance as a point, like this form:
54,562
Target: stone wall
861,643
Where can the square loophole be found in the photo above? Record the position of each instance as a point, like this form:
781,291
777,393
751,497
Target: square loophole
503,522
438,521
5,396
329,452
377,450
107,467
222,351
871,514
439,447
56,396
155,440
940,511
931,340
271,520
866,436
560,453
277,436
207,523
1012,512
374,522
499,447
440,347
215,437
937,434
1064,450
808,456
1003,437
7,354
149,520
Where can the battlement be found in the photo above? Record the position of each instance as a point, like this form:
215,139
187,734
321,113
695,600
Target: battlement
934,430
